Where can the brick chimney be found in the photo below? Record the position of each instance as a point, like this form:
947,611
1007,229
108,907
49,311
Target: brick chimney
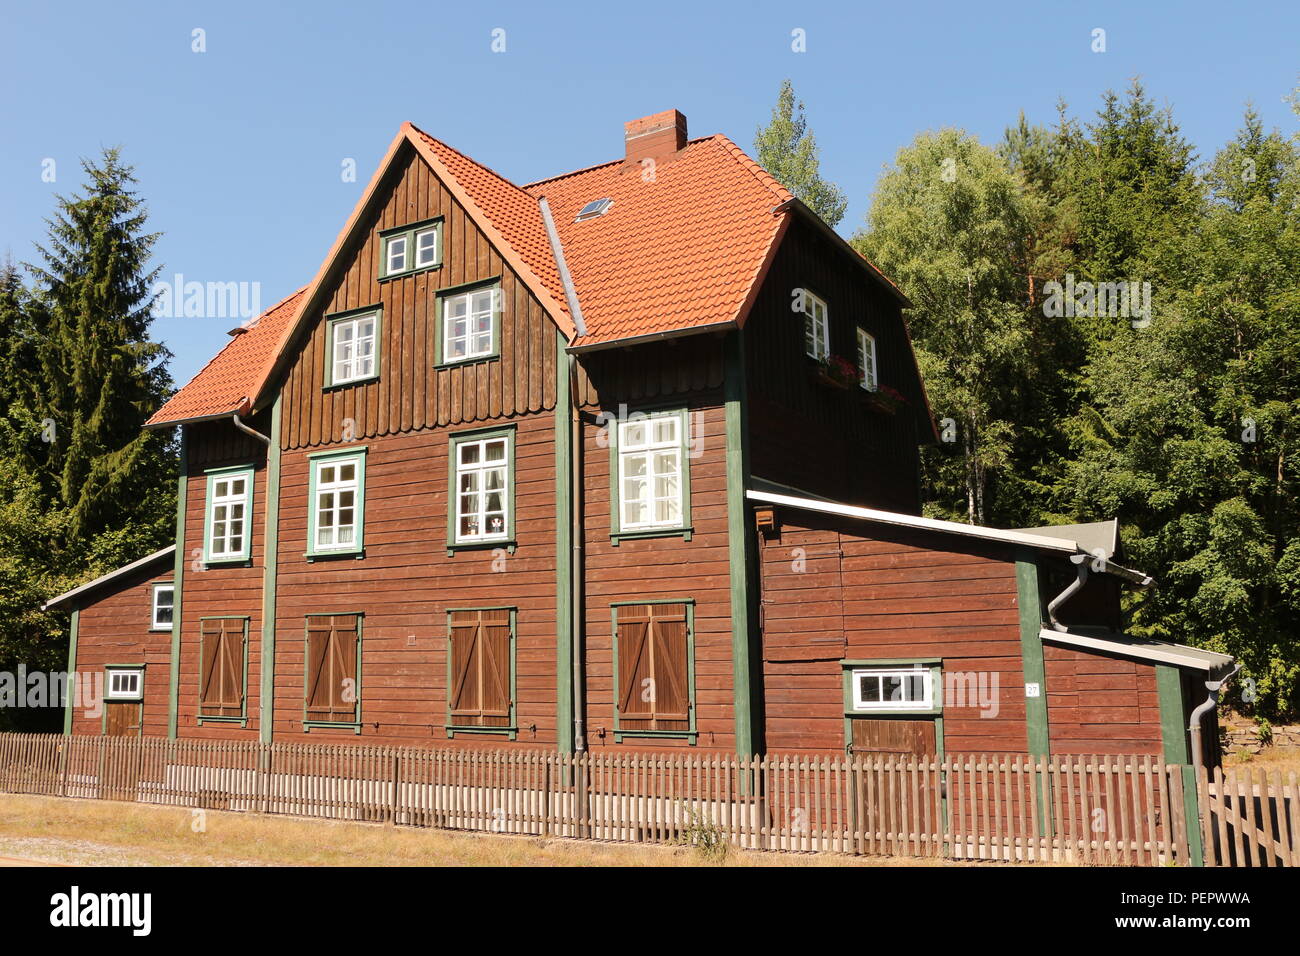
654,137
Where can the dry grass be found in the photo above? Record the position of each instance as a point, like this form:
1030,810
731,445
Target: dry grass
102,833
1282,759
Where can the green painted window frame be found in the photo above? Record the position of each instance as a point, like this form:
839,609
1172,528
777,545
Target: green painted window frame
213,475
137,700
684,529
454,442
465,288
511,731
354,724
690,734
408,231
241,719
351,315
314,461
936,713
153,606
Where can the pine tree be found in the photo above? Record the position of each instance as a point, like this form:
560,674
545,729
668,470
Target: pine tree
97,374
787,149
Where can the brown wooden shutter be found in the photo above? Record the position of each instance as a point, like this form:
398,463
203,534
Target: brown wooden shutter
331,662
653,667
221,668
480,668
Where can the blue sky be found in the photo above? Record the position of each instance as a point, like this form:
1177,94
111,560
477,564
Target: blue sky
239,149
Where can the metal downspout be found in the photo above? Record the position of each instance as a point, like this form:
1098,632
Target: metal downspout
1080,578
1194,721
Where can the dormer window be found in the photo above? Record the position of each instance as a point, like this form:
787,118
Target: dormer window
411,248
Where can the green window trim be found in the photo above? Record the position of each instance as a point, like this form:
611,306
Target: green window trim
153,606
314,461
137,700
242,719
441,296
334,319
933,664
354,724
245,556
511,731
408,232
506,541
683,530
691,734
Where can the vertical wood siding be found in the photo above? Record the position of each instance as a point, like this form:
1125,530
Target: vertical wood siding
410,393
819,439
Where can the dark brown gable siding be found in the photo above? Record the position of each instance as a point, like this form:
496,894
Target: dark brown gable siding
1099,704
114,629
410,393
819,439
650,370
899,594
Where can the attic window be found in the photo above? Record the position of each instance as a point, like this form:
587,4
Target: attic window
597,207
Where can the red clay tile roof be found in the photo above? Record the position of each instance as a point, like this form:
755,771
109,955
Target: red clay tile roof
679,250
682,250
229,382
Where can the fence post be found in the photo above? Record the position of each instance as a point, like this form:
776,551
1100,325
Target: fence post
546,800
397,771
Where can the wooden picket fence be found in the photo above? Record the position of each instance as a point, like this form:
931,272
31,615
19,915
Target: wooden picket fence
1102,810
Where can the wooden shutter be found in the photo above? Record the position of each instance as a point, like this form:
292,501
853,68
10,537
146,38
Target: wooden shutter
654,691
331,661
221,667
480,655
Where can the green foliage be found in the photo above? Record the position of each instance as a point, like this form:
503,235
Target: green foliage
787,149
83,489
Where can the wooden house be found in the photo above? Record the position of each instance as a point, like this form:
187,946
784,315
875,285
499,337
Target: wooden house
623,458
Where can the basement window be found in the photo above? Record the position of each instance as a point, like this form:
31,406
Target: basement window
597,207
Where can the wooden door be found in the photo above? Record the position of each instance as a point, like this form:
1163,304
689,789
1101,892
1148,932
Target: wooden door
881,735
122,718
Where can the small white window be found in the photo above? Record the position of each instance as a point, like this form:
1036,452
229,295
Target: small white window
817,336
337,505
650,472
354,349
482,486
228,515
163,596
395,255
123,684
867,361
893,688
467,324
426,247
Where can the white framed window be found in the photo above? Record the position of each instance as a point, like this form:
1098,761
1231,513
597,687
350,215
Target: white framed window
867,377
230,498
395,254
337,503
817,331
352,343
125,683
163,601
651,472
426,247
893,688
469,324
483,488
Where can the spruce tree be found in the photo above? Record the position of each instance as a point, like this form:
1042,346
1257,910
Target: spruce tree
97,375
787,149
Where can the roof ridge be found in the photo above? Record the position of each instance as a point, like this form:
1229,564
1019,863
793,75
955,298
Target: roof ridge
596,166
470,159
748,162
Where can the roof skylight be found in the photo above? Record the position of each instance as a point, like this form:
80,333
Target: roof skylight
597,207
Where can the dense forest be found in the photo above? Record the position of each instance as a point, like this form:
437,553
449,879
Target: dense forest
1108,326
